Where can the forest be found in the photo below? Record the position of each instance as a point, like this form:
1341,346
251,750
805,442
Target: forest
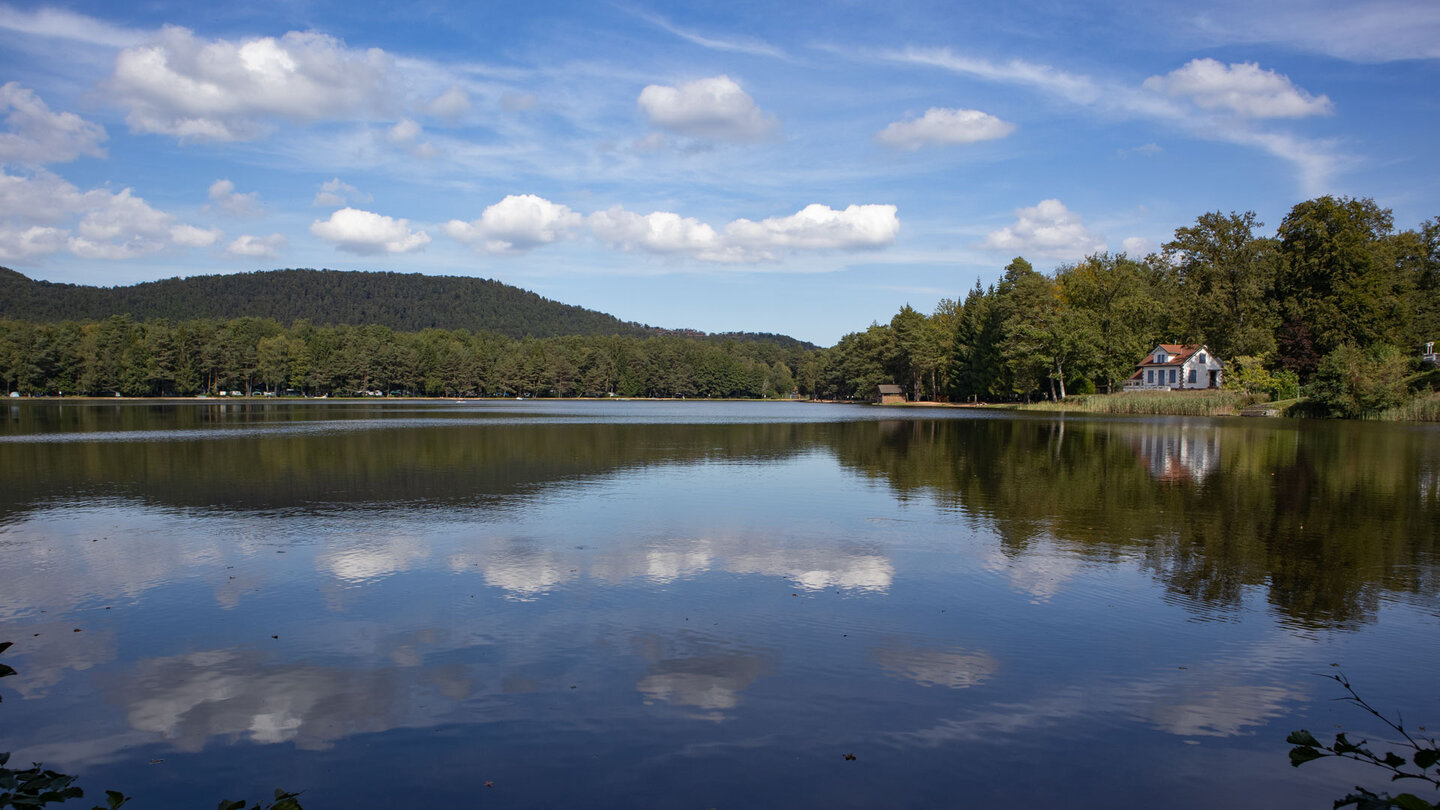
400,301
1336,300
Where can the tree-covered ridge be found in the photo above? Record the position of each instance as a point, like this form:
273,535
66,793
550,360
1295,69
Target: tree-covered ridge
121,355
400,301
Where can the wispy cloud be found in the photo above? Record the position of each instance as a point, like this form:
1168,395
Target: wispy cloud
62,24
1204,99
1355,30
754,47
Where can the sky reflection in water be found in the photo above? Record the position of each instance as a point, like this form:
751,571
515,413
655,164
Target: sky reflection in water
705,604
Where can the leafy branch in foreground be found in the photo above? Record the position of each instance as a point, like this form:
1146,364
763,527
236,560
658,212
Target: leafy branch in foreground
1418,762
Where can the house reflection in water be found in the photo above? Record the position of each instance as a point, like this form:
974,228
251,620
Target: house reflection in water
1177,453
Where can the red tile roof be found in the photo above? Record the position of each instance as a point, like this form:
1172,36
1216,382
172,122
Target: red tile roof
1178,353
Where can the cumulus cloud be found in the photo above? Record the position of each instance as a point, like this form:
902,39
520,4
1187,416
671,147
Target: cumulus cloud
19,243
43,198
337,193
122,227
819,227
1242,88
38,135
450,105
1049,231
191,236
1137,246
257,247
223,195
715,108
816,227
659,232
518,222
38,216
406,134
944,127
219,90
367,233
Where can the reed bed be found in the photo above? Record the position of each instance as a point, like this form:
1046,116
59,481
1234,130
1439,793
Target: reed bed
1155,403
1424,408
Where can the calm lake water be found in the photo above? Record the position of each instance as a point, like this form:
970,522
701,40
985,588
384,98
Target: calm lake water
696,605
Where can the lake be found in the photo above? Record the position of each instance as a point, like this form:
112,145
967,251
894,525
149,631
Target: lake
706,605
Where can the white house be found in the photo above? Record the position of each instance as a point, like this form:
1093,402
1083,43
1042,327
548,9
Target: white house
1172,365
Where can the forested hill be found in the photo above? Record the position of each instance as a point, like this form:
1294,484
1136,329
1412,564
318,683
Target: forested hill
400,301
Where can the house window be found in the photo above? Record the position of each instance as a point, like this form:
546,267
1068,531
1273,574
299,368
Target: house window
1201,358
1174,375
1149,376
1160,357
1192,376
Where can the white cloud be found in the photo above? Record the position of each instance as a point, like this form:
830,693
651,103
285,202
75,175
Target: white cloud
1242,88
404,131
43,198
819,227
658,232
715,108
944,126
752,47
337,193
1250,90
219,90
110,225
450,105
18,243
1076,88
123,227
1137,246
405,134
518,222
263,247
366,233
191,236
38,135
1048,231
816,227
222,194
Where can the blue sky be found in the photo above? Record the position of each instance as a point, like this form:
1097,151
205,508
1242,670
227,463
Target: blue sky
804,168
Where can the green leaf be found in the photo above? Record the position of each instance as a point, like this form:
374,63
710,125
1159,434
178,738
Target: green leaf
1409,801
228,804
1393,759
5,645
1299,755
6,670
1426,757
115,798
1302,737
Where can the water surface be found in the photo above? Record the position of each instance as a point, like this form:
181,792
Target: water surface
701,605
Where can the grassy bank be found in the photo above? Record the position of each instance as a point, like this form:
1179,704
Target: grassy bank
1155,403
1424,408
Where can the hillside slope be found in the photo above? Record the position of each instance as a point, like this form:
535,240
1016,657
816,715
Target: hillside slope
400,301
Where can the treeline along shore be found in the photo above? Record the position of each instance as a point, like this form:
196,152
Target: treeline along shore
1336,307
